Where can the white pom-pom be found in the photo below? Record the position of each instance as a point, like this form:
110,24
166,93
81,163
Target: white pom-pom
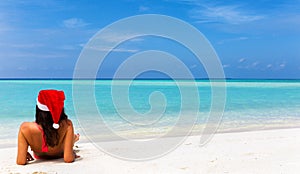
55,126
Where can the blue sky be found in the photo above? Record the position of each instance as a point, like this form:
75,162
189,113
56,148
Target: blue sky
253,39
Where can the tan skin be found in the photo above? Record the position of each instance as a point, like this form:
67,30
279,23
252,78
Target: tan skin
30,135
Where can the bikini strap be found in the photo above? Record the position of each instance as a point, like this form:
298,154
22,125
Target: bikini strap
44,144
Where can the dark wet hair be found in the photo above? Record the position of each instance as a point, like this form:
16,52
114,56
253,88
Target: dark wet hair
44,119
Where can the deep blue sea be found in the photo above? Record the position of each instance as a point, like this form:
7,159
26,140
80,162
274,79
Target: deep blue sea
249,105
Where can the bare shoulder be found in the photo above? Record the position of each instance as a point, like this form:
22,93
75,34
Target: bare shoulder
28,127
68,124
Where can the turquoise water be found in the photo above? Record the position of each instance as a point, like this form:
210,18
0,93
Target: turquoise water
250,104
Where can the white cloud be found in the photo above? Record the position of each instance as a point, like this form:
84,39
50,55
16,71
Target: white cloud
226,66
233,39
74,23
193,66
210,12
231,14
82,44
242,60
123,50
276,66
138,39
23,68
37,55
69,47
108,40
21,46
255,64
113,37
107,49
143,8
282,65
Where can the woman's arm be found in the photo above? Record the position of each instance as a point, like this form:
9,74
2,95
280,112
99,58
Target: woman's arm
22,146
69,143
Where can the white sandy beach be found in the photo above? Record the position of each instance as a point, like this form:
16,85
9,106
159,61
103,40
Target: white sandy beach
267,151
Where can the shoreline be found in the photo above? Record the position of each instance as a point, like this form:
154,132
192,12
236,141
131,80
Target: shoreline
144,134
263,151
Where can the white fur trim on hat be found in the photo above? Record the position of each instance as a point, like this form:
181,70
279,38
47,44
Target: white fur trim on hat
41,106
55,126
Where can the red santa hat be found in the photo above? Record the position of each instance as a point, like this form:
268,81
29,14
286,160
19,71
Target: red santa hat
53,101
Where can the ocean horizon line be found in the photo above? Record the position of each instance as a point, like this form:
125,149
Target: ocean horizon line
234,79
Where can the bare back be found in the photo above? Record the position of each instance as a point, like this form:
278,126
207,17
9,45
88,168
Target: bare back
31,134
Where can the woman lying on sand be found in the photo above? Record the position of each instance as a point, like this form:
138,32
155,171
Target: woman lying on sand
51,135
